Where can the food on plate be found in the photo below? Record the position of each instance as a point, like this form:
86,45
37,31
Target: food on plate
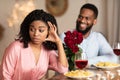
79,73
106,64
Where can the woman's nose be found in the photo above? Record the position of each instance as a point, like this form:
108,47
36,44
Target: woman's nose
36,33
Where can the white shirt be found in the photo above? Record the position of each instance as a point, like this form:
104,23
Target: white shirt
97,48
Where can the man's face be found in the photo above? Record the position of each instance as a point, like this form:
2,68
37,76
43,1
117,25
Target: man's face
85,20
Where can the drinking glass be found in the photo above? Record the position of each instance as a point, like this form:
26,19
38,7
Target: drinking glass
116,48
81,60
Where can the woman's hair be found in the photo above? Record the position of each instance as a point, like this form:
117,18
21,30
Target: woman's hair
37,14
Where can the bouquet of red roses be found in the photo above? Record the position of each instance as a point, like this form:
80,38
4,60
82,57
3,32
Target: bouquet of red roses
72,40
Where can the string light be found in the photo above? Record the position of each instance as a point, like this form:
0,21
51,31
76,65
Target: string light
20,10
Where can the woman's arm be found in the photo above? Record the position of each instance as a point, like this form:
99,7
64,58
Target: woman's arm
61,54
53,36
8,62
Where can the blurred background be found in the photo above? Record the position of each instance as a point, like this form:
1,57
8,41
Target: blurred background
12,12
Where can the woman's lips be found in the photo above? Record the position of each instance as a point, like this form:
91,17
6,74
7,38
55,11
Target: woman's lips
35,39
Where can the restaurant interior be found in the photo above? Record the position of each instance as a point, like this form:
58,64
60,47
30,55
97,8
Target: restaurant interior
12,12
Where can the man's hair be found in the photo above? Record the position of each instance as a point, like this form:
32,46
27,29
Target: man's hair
91,7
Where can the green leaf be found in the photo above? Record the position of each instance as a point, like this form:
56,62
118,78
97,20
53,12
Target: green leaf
73,58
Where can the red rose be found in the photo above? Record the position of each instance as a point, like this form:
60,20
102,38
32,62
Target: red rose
72,39
74,49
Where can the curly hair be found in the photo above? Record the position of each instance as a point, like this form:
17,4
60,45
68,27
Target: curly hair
37,14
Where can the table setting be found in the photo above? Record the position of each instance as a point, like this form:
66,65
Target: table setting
101,71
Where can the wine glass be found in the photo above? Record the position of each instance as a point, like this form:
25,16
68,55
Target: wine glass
81,60
116,48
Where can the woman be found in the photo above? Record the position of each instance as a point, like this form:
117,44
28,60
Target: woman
34,52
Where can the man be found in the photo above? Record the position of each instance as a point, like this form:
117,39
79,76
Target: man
94,44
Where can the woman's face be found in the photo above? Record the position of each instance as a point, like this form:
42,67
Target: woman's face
38,31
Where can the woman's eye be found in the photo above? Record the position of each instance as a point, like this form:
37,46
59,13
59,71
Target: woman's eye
41,30
32,30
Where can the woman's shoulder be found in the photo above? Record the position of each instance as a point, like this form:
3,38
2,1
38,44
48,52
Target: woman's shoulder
14,48
16,44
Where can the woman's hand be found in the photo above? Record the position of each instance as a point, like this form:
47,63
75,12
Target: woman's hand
53,36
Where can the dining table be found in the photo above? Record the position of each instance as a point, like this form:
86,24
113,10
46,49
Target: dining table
99,74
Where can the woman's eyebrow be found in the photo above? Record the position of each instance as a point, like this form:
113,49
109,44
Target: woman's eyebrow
38,26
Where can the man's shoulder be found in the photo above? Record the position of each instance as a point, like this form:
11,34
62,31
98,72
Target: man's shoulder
97,34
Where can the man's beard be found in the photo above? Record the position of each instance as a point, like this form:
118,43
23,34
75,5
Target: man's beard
83,31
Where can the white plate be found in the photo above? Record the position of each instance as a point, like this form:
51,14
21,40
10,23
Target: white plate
106,67
80,77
